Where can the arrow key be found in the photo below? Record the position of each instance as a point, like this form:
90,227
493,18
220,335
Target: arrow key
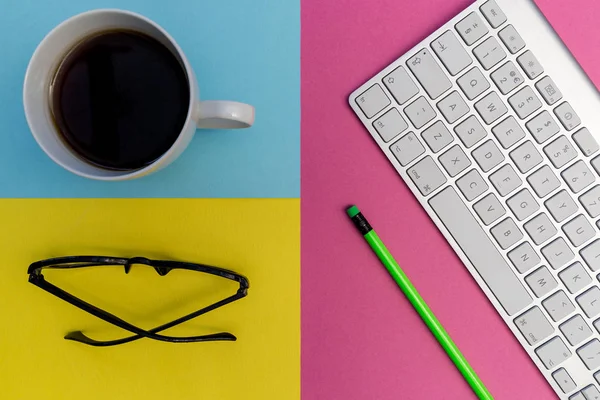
564,380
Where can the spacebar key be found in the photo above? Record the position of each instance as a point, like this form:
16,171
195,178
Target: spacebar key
480,250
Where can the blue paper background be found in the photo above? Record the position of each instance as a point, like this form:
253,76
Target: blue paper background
244,50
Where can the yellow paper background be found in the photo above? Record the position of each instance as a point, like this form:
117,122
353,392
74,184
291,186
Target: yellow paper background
257,238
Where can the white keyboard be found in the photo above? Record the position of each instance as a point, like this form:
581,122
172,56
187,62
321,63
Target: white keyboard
494,127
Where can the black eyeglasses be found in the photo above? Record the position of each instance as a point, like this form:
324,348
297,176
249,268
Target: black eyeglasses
162,268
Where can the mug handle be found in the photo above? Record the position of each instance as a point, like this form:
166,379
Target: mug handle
219,114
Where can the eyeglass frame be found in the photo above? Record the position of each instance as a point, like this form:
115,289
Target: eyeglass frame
162,267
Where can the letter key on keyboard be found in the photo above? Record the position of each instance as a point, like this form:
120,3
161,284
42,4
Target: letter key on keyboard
524,257
558,253
478,248
473,83
508,132
437,136
491,107
429,74
589,302
561,206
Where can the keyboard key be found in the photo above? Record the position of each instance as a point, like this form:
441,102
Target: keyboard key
407,149
530,65
596,164
574,277
591,255
470,131
489,209
590,354
390,125
479,249
589,302
506,233
564,380
578,176
578,230
493,13
524,102
543,181
488,155
542,127
400,85
429,74
560,152
534,325
419,112
455,160
586,142
524,257
548,90
553,352
561,206
590,200
526,157
558,306
489,53
575,330
426,175
471,28
508,132
472,185
541,282
511,39
567,116
453,107
577,396
372,101
507,77
505,180
491,108
558,253
437,136
473,83
452,54
540,228
522,204
591,393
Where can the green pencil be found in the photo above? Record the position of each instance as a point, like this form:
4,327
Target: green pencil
418,303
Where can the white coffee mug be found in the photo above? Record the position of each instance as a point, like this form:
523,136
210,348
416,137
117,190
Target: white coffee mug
45,62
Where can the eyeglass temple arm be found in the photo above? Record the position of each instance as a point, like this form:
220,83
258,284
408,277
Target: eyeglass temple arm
38,280
78,336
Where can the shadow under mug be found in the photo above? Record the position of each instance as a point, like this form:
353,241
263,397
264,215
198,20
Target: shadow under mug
46,60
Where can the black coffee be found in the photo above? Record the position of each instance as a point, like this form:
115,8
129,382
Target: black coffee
120,99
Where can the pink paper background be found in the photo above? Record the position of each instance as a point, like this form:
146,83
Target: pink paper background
360,337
